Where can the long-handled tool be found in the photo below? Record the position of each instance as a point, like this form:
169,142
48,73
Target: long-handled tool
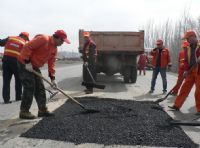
185,122
68,96
93,83
164,98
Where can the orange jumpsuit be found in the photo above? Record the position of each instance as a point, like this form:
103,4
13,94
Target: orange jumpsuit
191,79
142,63
38,51
180,72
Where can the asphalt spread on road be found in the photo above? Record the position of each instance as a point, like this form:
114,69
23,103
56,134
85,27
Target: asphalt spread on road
119,122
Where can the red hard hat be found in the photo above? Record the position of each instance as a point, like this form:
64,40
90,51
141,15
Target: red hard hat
159,41
61,34
189,34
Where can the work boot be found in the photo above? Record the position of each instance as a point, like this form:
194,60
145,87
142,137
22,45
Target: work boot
164,92
44,113
88,91
151,91
174,108
26,115
7,102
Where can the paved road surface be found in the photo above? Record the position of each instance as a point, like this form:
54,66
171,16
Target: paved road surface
69,79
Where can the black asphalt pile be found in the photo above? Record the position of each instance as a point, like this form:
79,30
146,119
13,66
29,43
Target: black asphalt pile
119,122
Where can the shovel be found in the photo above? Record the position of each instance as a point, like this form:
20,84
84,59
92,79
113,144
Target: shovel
184,123
68,96
93,83
164,98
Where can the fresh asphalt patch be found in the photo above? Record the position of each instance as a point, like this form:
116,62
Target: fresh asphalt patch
119,122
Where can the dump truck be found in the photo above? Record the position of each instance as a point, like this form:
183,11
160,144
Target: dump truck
116,52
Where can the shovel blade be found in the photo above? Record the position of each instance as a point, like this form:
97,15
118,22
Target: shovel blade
90,84
159,100
186,123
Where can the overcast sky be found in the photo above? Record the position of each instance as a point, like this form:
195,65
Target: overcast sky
46,16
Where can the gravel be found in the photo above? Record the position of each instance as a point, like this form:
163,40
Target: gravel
119,122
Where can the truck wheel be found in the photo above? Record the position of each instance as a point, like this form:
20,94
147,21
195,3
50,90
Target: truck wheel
127,74
133,74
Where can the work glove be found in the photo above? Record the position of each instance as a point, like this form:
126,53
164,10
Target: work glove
29,67
169,67
84,58
86,64
54,84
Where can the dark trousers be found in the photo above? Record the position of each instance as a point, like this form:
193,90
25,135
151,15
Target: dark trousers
162,72
33,86
142,68
86,75
10,68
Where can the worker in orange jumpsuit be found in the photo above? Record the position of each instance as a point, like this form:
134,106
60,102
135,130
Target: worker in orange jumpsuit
42,49
89,59
191,74
143,59
179,82
13,45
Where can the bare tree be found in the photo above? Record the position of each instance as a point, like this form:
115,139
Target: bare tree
171,33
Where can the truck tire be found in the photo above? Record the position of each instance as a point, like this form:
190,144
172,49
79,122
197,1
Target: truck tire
133,75
127,74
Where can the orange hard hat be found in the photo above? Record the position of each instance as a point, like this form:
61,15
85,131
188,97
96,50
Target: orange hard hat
185,44
86,33
26,34
61,34
189,34
159,41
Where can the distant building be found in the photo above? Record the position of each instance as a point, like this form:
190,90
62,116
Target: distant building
64,55
69,56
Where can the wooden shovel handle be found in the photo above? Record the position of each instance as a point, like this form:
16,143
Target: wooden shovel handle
60,90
